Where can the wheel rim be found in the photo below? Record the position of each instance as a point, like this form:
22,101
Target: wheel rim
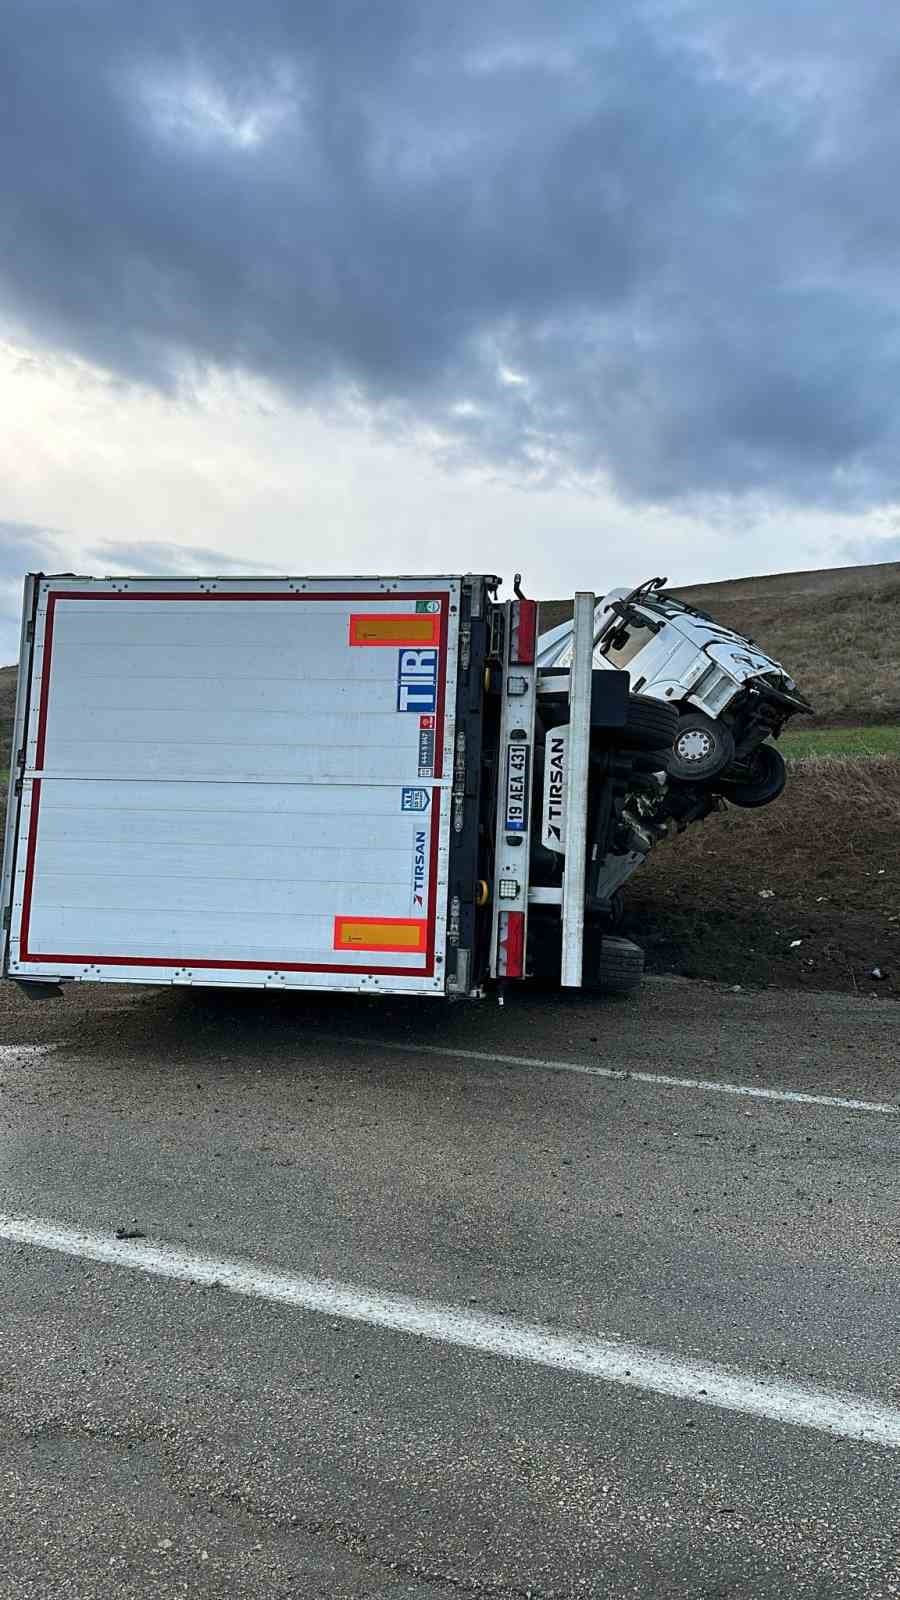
694,745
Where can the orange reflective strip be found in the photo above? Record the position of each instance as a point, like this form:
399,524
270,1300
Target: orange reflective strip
395,629
380,933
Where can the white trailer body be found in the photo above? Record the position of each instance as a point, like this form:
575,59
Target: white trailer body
301,783
234,782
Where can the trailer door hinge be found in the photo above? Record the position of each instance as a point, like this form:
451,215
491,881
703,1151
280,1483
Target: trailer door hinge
29,633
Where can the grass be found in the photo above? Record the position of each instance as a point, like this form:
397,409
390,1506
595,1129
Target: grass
875,741
843,649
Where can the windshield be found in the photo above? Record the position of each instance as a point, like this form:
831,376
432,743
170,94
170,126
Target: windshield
623,643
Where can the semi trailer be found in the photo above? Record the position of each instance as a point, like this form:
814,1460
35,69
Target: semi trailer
366,784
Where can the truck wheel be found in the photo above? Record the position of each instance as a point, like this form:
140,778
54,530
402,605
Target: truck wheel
701,749
618,968
651,725
768,776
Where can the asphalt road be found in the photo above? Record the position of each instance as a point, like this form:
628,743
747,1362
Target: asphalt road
162,1434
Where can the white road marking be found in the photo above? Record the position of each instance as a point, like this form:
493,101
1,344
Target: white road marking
660,1079
845,1416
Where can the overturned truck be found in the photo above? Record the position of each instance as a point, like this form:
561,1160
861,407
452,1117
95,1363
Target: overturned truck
374,784
727,701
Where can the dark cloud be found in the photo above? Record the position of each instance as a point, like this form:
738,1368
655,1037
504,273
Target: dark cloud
23,548
26,548
156,557
675,220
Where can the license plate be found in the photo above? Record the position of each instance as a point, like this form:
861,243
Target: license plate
517,769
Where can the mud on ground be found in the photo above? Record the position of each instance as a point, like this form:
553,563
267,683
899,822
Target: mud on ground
728,899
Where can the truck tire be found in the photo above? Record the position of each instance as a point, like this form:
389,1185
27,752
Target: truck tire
701,748
651,725
767,778
617,968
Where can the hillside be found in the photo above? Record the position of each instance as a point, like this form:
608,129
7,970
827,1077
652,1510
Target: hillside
836,630
7,712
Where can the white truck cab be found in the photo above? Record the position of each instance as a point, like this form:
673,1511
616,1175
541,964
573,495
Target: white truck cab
731,697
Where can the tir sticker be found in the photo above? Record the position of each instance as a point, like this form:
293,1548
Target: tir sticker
393,628
419,876
553,831
430,606
417,676
414,799
517,769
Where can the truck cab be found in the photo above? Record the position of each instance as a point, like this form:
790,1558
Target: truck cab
732,699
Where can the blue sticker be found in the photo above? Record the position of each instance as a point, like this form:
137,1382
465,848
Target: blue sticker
414,800
417,676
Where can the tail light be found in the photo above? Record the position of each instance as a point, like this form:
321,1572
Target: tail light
523,632
511,944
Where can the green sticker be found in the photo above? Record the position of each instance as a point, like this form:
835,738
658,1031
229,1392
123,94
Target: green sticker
428,605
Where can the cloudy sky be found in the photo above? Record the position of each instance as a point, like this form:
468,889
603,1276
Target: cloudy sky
587,290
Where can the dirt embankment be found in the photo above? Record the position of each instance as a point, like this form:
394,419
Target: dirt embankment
803,893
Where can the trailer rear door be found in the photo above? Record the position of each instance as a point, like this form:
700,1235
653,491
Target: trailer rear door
236,782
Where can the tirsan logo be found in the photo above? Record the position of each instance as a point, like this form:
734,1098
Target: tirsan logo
418,891
556,784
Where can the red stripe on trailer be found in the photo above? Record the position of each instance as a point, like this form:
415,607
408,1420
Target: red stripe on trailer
29,872
434,839
442,692
45,683
206,963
